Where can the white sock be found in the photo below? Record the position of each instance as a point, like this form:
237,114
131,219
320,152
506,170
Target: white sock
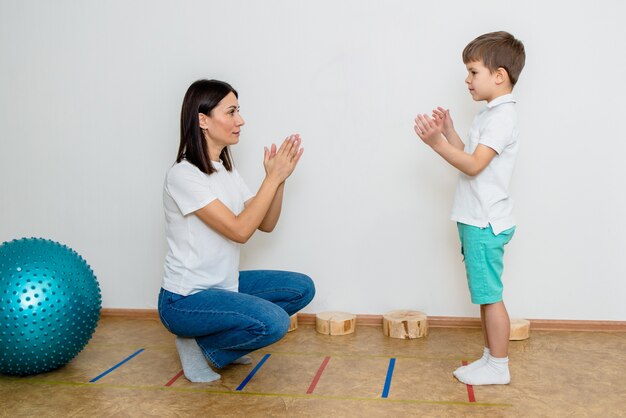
475,364
194,363
495,372
243,360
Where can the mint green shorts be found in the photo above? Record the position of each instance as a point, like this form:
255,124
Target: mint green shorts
484,253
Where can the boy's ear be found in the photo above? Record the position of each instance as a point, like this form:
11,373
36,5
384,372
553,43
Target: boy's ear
502,75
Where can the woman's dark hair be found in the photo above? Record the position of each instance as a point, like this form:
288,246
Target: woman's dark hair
201,97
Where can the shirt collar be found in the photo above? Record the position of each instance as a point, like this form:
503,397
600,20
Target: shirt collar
506,98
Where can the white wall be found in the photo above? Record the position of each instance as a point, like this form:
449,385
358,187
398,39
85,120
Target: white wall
90,95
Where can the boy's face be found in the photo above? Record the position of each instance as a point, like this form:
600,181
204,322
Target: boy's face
482,83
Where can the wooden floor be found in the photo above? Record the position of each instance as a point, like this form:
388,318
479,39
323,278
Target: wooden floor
554,374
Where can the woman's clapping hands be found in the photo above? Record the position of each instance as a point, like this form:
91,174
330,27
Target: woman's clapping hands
280,163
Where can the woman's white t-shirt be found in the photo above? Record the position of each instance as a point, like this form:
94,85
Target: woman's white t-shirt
199,258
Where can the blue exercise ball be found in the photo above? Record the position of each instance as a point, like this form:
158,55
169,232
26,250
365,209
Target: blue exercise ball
49,305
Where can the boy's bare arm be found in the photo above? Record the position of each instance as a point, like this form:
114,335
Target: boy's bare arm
454,139
470,164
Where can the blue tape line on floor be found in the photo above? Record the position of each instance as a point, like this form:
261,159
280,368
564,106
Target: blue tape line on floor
392,363
252,373
117,365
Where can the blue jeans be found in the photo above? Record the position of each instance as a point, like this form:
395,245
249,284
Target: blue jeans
228,325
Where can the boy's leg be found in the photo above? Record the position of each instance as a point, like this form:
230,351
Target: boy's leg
471,248
484,253
496,369
498,328
484,326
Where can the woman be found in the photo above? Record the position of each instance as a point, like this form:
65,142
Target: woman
218,313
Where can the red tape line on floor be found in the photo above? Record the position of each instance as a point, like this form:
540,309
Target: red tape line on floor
175,378
470,389
318,375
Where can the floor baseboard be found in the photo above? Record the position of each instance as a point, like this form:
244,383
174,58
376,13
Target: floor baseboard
433,321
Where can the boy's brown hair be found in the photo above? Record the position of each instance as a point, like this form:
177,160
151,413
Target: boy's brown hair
497,50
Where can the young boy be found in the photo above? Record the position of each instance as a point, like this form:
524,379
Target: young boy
483,208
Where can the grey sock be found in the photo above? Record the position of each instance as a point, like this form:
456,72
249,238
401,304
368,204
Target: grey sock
194,363
243,360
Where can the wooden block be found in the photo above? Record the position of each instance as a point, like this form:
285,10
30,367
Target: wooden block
293,323
520,329
335,323
405,324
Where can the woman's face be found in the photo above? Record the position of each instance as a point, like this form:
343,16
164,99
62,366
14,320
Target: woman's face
223,126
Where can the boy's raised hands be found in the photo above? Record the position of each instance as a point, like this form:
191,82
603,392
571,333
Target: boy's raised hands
429,129
443,115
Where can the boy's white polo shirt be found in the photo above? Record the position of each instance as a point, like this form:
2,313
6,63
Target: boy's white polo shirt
198,257
484,199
